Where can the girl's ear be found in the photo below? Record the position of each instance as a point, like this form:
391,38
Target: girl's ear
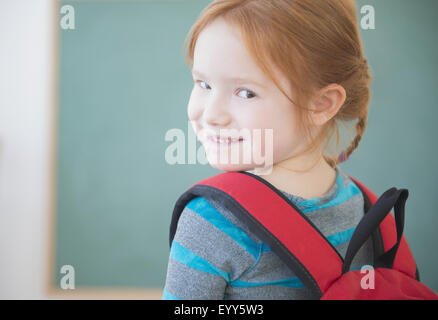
327,103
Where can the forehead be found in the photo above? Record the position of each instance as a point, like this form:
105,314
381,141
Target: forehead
220,52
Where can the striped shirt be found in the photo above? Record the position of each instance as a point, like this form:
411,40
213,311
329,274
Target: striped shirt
215,256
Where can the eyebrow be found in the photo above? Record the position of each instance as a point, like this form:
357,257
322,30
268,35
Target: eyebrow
195,72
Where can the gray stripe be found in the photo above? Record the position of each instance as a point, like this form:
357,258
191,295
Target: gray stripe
339,218
269,268
268,293
187,283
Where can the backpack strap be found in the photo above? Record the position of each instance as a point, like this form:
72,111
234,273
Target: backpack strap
404,260
272,217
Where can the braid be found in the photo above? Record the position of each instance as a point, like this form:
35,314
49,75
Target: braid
360,129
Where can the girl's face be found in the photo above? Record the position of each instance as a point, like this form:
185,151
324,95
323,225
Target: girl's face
231,92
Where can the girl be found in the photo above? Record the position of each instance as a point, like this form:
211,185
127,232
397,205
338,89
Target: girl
296,67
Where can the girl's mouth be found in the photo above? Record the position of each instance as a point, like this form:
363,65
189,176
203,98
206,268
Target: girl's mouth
224,141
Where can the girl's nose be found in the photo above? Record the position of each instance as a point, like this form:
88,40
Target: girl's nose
216,113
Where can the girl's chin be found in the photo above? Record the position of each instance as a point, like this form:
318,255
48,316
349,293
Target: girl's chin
260,171
231,166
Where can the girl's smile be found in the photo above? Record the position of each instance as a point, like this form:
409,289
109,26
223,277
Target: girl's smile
223,141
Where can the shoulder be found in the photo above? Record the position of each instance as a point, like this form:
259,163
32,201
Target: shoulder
210,233
207,221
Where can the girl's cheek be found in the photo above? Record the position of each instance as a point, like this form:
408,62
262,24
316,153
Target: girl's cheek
194,108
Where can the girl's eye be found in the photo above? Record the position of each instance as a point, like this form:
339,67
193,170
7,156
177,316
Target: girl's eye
203,84
248,95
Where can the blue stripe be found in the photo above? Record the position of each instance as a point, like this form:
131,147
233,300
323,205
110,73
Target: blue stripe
185,256
344,195
202,207
357,268
341,237
288,282
168,296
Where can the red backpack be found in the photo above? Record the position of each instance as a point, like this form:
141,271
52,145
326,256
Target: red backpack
292,236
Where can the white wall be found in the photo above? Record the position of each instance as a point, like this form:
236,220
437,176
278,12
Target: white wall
26,84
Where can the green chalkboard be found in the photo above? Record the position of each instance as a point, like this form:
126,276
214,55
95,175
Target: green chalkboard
122,84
